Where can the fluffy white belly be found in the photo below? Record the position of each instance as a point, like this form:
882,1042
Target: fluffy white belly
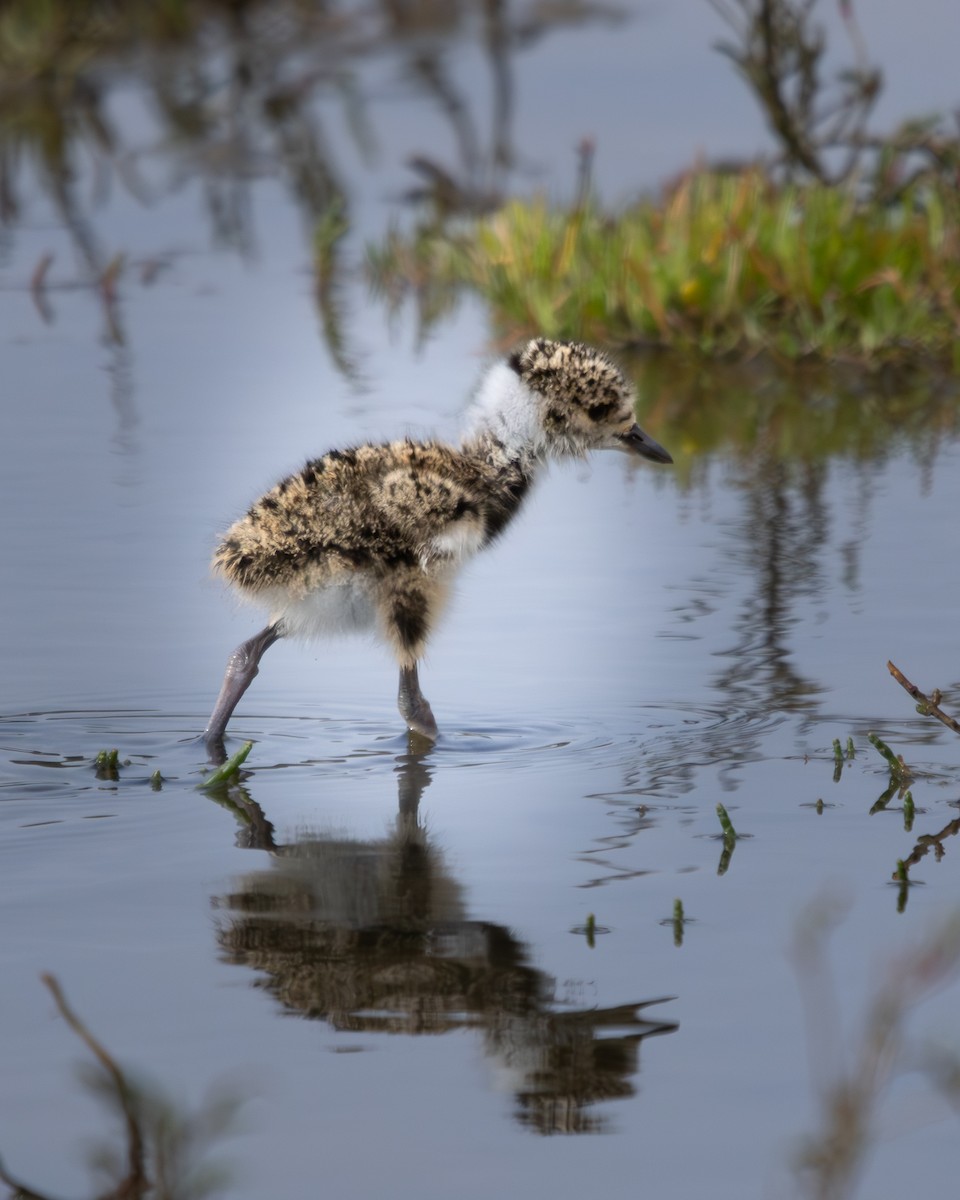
459,542
345,607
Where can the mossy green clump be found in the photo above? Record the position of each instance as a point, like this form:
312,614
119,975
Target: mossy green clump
107,765
723,264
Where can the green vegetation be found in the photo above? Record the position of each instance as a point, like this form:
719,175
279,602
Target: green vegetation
900,773
842,246
841,757
909,812
730,838
226,772
678,922
725,823
895,761
854,1087
837,760
722,265
107,765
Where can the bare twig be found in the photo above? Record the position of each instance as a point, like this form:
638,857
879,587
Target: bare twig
136,1182
929,706
20,1190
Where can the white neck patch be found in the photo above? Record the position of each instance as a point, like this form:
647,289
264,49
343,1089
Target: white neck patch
507,408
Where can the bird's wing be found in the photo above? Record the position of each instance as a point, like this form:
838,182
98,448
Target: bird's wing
434,498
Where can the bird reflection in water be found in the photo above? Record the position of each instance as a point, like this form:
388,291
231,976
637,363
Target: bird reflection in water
374,936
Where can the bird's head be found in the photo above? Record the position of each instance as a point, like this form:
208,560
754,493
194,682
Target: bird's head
583,402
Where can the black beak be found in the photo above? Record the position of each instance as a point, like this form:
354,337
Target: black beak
641,443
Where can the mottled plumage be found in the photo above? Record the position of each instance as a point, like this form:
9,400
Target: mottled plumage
371,537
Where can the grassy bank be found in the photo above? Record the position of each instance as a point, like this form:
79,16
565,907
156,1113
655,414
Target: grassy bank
724,265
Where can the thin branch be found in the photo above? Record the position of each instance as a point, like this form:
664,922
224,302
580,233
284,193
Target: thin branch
20,1190
928,705
136,1182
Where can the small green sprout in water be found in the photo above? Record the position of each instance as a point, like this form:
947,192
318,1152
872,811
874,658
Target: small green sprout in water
156,781
730,837
107,765
851,752
725,823
230,768
903,879
678,919
897,766
909,811
591,930
837,760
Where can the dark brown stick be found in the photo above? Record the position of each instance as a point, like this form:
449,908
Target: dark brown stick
928,705
20,1190
136,1182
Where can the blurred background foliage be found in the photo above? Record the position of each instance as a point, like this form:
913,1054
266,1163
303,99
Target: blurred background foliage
840,247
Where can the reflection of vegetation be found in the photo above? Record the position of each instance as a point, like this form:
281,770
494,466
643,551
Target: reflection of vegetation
162,1148
786,436
791,422
932,841
780,52
373,936
234,89
852,1088
723,264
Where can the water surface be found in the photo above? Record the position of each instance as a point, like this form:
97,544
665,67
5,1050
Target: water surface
435,972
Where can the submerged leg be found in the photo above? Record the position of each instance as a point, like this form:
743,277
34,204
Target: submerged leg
242,666
414,706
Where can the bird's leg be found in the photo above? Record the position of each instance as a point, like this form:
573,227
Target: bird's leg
414,706
242,666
